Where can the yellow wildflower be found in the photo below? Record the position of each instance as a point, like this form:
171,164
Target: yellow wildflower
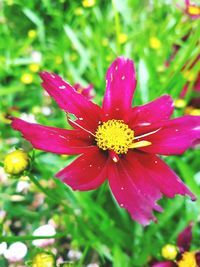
32,34
27,78
88,3
154,43
179,103
34,67
123,38
16,162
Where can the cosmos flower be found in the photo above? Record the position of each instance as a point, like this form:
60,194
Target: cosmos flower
191,9
182,257
117,142
88,91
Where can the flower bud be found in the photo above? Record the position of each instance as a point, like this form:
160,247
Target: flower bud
16,162
44,259
169,252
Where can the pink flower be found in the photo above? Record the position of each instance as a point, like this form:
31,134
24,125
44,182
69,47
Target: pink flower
184,256
191,9
117,142
88,91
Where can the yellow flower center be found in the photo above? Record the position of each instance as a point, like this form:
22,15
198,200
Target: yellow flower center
114,135
194,10
188,260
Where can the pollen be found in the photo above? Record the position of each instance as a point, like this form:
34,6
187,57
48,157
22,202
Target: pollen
188,260
114,135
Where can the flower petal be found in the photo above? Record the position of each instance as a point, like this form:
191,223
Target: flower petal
120,87
197,257
184,238
87,172
174,136
132,189
53,139
162,176
87,113
157,110
164,264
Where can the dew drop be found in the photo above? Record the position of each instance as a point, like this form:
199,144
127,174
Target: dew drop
90,165
122,188
121,205
111,77
80,119
123,77
156,161
62,87
116,67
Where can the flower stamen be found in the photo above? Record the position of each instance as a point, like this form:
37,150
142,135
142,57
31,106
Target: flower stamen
114,135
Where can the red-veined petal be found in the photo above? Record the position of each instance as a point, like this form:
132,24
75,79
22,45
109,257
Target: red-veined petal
162,176
142,117
126,188
174,136
87,172
87,113
120,87
53,139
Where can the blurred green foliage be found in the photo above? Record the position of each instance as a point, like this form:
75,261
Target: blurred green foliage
79,43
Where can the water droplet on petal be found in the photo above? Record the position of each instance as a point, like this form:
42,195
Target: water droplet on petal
62,87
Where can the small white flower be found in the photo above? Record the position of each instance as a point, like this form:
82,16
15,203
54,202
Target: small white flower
36,56
93,265
74,255
3,247
44,230
46,111
28,118
16,252
22,186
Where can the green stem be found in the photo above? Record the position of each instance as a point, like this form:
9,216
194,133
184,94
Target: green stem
29,237
117,27
51,197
